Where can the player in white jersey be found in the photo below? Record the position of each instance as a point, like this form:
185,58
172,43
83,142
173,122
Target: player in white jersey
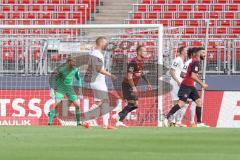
176,79
98,83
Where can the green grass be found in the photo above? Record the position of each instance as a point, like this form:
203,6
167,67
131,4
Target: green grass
33,143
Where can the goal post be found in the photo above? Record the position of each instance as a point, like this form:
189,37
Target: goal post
30,54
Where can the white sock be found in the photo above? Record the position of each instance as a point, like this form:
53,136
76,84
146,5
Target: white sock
181,113
192,112
105,113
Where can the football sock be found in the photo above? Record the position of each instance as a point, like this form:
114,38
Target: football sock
192,112
78,116
129,108
51,116
199,114
173,110
180,114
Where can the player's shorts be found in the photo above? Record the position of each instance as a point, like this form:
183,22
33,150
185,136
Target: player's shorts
174,92
100,91
63,90
128,92
187,92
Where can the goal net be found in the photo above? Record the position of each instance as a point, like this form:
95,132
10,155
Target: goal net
30,55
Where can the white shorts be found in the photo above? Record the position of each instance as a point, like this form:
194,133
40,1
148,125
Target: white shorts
100,90
174,92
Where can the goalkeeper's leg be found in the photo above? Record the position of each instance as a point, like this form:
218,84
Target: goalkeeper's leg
51,114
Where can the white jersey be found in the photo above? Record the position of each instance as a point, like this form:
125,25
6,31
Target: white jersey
97,59
177,65
185,68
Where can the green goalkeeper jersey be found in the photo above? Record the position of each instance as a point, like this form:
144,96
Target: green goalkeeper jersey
65,76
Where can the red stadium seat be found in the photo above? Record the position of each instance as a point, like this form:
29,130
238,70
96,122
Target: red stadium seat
229,15
56,22
198,15
71,2
46,15
67,8
172,8
167,15
221,30
56,1
31,15
191,1
142,8
194,23
16,15
137,16
202,7
161,1
50,8
26,1
157,8
152,15
214,15
225,23
178,23
187,7
164,22
21,8
183,15
61,15
218,8
36,8
206,1
176,1
236,30
26,22
40,1
233,8
2,15
222,1
6,8
190,31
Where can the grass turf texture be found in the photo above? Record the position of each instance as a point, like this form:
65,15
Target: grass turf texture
48,143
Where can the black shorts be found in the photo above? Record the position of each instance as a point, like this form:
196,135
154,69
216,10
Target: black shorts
187,92
128,92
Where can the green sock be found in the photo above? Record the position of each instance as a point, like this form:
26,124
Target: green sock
51,116
78,116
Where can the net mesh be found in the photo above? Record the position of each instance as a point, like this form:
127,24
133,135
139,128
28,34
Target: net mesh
30,57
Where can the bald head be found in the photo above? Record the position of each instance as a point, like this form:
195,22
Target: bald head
101,43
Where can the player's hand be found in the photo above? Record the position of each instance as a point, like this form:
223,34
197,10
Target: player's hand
135,90
205,86
113,77
149,87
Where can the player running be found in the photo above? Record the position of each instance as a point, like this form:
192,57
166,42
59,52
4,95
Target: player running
187,89
63,84
176,79
192,104
129,89
97,73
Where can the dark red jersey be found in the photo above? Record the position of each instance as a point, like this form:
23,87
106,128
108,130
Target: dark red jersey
135,66
194,67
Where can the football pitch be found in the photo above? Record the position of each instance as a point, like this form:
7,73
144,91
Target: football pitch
48,143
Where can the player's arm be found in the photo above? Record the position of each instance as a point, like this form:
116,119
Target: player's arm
100,69
130,70
79,79
173,72
146,81
195,77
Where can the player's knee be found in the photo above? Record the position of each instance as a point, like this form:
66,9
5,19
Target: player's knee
199,102
181,103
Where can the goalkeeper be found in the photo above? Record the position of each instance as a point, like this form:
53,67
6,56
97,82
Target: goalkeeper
63,85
